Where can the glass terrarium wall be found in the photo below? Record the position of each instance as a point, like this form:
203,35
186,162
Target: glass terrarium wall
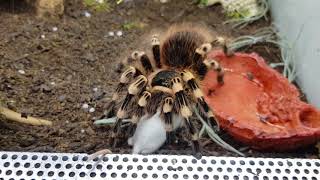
298,21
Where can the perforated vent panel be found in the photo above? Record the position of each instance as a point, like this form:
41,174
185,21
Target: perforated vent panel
23,165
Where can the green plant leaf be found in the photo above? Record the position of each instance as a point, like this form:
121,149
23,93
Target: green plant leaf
214,136
133,25
203,2
97,6
108,121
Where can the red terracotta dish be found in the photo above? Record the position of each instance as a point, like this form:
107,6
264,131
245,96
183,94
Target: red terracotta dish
258,106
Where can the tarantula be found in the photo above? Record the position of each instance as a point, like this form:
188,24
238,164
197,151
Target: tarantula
169,81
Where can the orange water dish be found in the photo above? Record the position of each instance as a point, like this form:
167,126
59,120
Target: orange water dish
258,106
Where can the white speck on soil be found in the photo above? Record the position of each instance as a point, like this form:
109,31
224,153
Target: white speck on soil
85,106
164,1
95,89
100,1
43,36
87,14
110,33
119,33
91,110
54,29
52,83
21,71
82,130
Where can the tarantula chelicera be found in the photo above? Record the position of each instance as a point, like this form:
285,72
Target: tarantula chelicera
168,82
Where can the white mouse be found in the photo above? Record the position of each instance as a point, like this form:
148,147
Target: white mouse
149,136
150,133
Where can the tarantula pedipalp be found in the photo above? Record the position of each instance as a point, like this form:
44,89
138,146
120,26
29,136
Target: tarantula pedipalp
160,84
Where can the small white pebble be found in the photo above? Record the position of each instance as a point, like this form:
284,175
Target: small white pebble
119,33
164,1
54,29
87,14
21,71
52,83
95,89
85,106
91,110
67,121
43,36
111,33
82,130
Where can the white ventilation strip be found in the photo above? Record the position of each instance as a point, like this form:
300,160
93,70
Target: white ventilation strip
27,166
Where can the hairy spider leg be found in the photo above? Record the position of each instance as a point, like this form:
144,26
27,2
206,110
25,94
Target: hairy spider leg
167,116
220,41
190,80
205,65
139,112
213,64
134,89
145,63
186,113
125,78
155,42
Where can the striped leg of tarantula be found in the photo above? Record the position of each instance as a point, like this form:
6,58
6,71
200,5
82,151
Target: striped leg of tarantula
204,49
124,80
139,112
134,89
167,115
145,62
186,113
188,77
156,50
132,58
213,64
220,41
208,64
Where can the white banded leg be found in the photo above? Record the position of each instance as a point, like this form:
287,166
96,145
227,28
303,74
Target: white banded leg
220,41
201,55
125,78
167,116
134,89
139,112
213,64
190,80
156,50
186,113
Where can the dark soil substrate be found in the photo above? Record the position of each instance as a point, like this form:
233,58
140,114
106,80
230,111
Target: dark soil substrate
62,69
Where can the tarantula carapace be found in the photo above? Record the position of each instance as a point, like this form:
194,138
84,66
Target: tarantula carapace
169,81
